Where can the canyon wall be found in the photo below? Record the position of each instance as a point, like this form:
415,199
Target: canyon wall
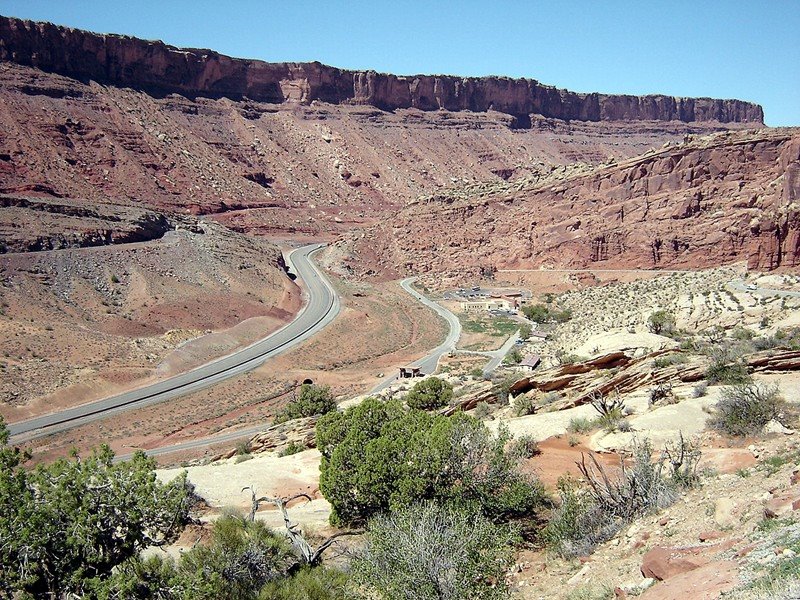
158,67
717,200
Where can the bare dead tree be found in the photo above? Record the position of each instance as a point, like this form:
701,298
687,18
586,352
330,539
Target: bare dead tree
607,406
638,487
308,554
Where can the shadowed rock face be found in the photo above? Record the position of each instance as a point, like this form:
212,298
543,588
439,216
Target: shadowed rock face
155,66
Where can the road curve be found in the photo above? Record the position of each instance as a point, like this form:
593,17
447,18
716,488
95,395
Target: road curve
321,307
429,362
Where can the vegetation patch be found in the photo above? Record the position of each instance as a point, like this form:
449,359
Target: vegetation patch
378,457
745,408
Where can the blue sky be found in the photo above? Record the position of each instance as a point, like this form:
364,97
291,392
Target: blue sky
724,49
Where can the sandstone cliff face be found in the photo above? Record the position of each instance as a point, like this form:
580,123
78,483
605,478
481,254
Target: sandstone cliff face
155,66
717,200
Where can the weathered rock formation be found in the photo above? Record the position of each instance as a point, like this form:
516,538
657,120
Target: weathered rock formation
711,201
155,66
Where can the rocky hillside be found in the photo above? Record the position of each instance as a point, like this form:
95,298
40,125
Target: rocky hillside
705,202
292,149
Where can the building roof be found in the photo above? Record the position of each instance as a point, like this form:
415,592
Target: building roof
531,360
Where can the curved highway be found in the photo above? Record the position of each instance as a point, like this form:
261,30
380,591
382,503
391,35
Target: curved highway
321,307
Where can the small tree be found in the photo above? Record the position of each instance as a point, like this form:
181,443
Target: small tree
378,457
536,312
428,551
525,331
429,394
661,321
514,357
65,526
312,400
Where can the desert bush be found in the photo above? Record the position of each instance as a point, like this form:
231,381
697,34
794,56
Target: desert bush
482,410
578,525
432,552
318,583
581,425
700,390
429,394
291,448
377,456
669,360
611,411
243,561
311,401
541,313
660,393
514,357
525,446
551,397
765,342
727,372
661,322
503,387
745,408
593,514
524,405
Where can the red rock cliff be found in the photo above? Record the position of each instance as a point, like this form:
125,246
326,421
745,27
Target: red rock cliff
155,66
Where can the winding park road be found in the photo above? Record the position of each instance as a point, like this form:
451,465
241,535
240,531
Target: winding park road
429,362
739,285
322,306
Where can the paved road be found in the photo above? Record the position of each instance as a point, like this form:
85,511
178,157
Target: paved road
430,362
739,286
322,306
499,354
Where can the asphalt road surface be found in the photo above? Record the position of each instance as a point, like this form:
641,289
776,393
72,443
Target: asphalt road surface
740,286
430,362
322,306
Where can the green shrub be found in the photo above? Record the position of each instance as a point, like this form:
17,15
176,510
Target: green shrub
514,357
541,313
292,448
429,394
482,410
524,405
551,397
67,525
745,408
727,373
661,322
525,446
669,360
309,584
581,425
312,400
377,456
